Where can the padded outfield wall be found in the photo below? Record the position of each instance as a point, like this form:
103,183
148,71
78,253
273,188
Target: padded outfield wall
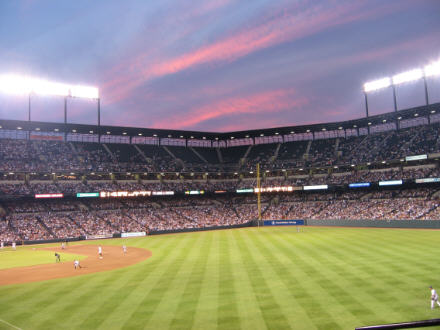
422,224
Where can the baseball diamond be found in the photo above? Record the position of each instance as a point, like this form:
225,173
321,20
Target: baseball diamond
219,164
53,271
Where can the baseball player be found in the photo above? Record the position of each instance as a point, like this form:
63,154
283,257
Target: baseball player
100,252
76,264
2,245
57,257
14,246
434,297
124,249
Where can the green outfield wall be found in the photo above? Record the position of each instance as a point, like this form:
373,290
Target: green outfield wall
422,224
426,224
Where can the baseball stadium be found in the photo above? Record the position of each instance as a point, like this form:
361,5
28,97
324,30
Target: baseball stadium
305,223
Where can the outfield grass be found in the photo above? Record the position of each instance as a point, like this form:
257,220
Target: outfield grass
268,278
27,256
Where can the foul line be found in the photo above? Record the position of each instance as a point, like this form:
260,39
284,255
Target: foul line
11,325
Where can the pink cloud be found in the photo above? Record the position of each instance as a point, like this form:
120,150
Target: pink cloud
269,101
289,26
251,123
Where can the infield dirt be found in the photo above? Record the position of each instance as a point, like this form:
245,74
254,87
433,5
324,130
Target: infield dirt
113,258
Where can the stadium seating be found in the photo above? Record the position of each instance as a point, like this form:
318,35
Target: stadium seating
30,167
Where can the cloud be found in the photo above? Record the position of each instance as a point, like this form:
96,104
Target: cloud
405,46
286,27
267,102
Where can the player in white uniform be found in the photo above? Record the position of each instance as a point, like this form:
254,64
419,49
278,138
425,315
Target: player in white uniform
100,252
434,297
14,246
124,249
2,245
76,264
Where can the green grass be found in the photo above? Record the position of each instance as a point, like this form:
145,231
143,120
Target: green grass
268,278
27,256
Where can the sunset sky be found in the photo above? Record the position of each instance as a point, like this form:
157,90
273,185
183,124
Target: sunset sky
219,65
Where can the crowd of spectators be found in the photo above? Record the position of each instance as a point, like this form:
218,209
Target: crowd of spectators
40,220
28,226
24,219
61,225
56,156
337,178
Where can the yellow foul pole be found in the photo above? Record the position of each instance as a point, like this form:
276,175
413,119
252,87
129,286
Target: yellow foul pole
258,194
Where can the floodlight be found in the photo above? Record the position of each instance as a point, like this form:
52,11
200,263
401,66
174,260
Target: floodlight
15,84
432,69
377,84
407,76
84,92
43,87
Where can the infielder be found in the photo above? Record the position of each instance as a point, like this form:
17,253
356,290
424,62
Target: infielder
76,264
57,257
124,249
100,252
434,297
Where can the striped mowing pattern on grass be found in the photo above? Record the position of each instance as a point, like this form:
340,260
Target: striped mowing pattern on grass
267,278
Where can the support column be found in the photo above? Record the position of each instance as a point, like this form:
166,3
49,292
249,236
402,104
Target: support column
366,104
394,98
426,91
99,120
65,118
29,108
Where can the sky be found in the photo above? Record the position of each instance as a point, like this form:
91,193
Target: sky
217,65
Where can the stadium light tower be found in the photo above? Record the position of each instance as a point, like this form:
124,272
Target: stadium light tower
374,86
429,70
22,85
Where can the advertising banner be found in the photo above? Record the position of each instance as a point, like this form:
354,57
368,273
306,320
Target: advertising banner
49,195
417,157
163,193
428,180
317,187
274,189
194,192
359,185
91,194
390,183
104,194
284,222
101,236
134,234
245,190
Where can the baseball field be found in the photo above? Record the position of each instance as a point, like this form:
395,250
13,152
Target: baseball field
267,278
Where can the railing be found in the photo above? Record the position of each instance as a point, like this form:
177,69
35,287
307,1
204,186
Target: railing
403,325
